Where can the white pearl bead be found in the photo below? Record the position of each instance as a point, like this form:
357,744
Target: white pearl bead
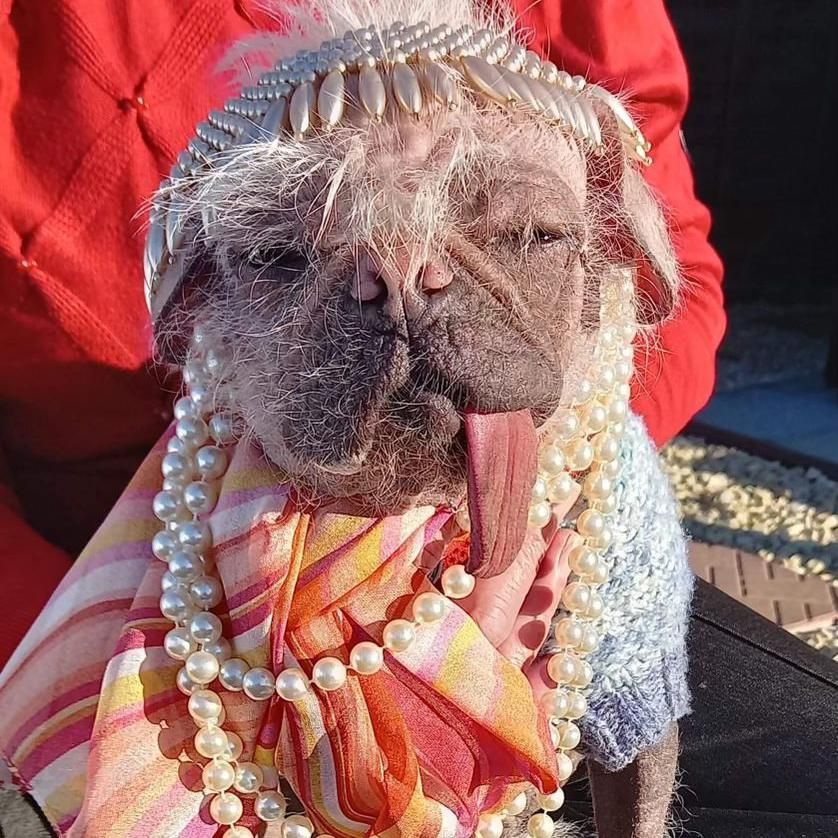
220,649
200,497
590,523
576,597
540,514
555,703
297,826
596,418
218,775
259,683
551,802
235,746
269,806
177,468
238,831
577,706
540,826
595,607
366,658
457,583
398,635
597,486
489,826
194,371
178,644
177,446
568,632
248,778
516,805
169,583
215,363
605,377
202,667
628,332
206,591
606,447
221,428
185,407
232,672
195,535
584,391
176,604
184,683
211,462
562,667
622,391
582,560
192,432
608,336
580,454
211,742
569,735
606,505
225,808
205,627
590,640
565,425
623,370
292,684
617,410
564,766
599,575
560,488
539,490
429,607
204,706
584,675
328,674
163,545
185,566
203,395
552,461
168,506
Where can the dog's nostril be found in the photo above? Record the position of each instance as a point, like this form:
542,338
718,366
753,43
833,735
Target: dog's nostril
369,288
433,277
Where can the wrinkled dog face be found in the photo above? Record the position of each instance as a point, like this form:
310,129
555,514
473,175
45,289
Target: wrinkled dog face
375,283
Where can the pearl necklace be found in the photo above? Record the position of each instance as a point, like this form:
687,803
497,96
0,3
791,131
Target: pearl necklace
582,440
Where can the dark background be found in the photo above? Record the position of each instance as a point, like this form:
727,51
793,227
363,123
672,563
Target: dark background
761,130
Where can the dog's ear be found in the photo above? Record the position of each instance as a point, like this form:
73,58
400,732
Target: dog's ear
634,230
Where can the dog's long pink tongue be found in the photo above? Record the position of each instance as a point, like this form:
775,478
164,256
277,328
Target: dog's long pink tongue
501,472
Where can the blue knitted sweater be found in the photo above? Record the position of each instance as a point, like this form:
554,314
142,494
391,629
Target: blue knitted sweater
640,685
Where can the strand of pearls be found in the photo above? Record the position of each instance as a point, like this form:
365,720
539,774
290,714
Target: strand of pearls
583,439
582,442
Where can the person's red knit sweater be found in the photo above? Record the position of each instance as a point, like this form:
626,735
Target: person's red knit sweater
95,101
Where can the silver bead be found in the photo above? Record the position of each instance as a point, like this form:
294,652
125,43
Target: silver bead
406,89
485,78
371,92
275,118
301,109
330,98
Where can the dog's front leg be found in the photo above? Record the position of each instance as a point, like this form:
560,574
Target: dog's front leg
634,802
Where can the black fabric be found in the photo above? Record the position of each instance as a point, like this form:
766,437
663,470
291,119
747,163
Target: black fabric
759,752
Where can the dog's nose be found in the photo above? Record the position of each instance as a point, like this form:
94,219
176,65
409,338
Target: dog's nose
379,278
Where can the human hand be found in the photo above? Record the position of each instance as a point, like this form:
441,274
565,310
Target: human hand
515,608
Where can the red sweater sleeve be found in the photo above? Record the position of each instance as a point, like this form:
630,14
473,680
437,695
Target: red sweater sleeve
630,46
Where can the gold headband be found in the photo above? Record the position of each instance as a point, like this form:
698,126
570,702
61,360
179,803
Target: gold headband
425,66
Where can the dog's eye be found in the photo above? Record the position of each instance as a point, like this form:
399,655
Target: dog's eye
285,258
542,238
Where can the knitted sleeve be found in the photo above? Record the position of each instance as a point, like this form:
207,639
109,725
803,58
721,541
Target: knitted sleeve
640,668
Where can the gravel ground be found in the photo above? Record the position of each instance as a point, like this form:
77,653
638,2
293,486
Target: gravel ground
786,515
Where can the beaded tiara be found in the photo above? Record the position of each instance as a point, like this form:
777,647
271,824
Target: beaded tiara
398,70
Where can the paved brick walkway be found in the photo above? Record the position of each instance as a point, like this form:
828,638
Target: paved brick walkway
797,603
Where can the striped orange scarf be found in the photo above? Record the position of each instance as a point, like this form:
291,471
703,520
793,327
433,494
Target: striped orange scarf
94,727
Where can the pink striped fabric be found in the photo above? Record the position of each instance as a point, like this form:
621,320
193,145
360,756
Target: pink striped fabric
93,726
